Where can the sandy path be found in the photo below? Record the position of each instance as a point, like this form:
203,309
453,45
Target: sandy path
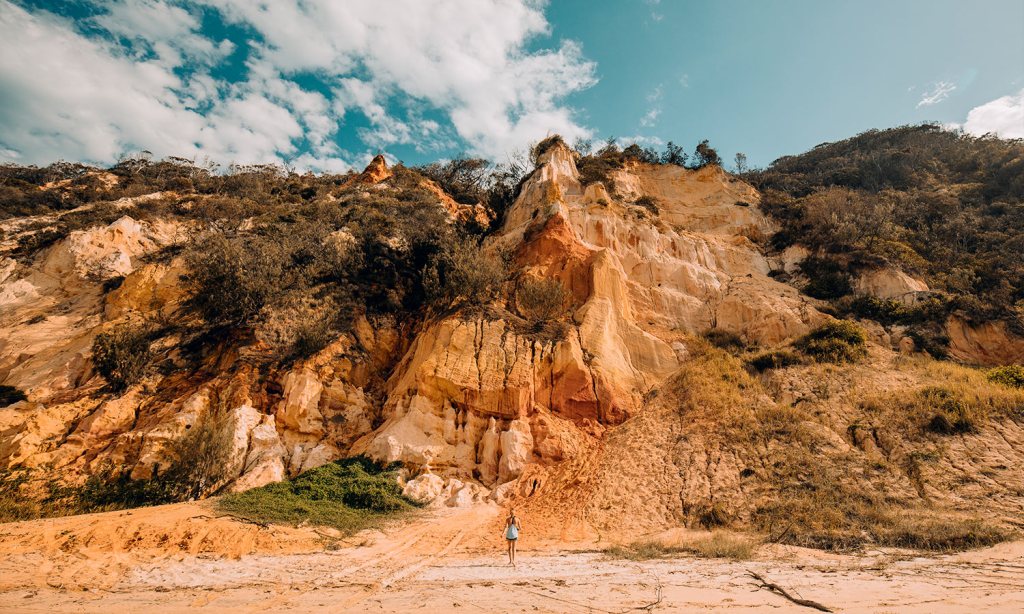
451,561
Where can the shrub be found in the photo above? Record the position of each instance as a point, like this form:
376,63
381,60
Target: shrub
826,278
464,275
837,341
348,495
648,202
705,155
312,336
231,280
542,147
891,311
883,197
1011,376
950,413
9,395
122,355
199,464
541,301
775,359
930,339
724,339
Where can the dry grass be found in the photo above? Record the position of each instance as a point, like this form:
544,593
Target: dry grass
961,400
713,545
807,492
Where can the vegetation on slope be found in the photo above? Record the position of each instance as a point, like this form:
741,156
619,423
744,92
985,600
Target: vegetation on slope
939,204
198,462
347,495
799,488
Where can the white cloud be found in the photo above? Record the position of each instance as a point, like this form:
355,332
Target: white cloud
937,94
684,80
1003,117
69,93
641,140
467,58
171,32
655,15
650,118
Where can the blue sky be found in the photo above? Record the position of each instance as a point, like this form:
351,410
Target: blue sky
323,85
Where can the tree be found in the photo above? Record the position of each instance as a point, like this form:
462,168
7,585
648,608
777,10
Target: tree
464,179
741,162
674,154
583,146
611,147
704,155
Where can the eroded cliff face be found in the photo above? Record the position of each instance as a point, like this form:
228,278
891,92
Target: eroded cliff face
474,397
475,406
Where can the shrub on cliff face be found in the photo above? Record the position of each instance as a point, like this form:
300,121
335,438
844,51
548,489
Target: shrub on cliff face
233,279
122,355
541,300
464,275
724,340
648,202
837,341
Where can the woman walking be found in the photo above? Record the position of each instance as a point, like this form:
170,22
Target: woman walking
512,529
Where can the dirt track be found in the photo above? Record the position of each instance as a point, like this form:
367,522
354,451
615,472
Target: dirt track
447,561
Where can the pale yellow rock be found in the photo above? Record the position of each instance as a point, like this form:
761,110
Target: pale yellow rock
888,283
516,450
424,488
300,408
987,344
264,461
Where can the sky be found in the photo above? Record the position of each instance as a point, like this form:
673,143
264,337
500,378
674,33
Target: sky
323,85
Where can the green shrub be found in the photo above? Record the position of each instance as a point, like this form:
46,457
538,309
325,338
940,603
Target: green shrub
883,197
9,395
199,464
775,359
890,311
348,495
312,336
542,147
1011,376
837,341
122,355
930,339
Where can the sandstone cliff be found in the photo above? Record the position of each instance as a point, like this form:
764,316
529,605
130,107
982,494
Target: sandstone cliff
473,405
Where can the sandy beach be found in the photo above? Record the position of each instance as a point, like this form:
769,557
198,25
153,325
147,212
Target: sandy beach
183,558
